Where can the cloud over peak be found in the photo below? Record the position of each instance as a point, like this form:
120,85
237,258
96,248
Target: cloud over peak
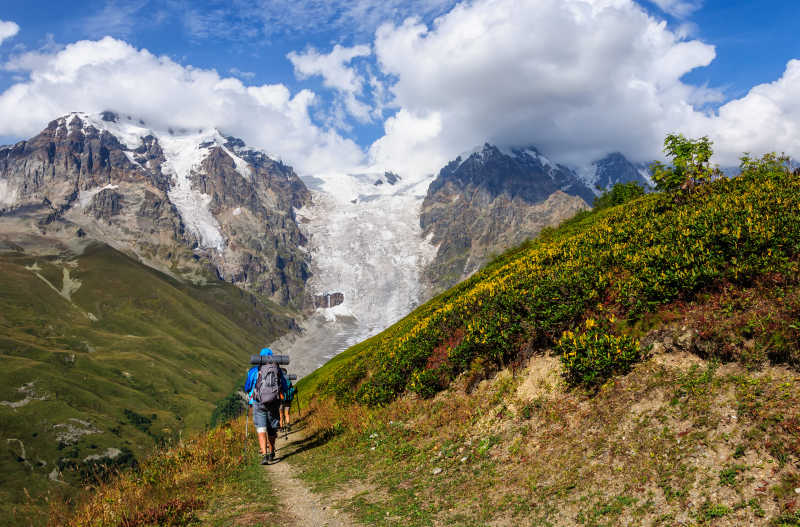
93,76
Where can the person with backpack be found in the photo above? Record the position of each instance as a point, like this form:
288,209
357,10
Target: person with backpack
286,402
266,383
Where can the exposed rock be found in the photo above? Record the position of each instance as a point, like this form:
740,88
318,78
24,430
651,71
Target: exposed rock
328,300
615,168
169,199
105,204
492,199
685,340
70,432
388,177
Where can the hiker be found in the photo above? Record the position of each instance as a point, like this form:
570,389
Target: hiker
286,401
264,397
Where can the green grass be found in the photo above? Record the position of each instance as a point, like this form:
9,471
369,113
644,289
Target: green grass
150,369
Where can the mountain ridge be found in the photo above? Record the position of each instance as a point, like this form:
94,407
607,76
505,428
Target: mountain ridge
186,202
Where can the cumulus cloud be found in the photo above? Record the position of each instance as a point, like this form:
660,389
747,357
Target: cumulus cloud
766,119
578,78
336,73
7,30
110,74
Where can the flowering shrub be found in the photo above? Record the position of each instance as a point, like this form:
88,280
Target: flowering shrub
593,354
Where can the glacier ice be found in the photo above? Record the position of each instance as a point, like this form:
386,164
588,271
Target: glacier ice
366,243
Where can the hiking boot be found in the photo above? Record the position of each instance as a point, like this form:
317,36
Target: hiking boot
271,456
265,458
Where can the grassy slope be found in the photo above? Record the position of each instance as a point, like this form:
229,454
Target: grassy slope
627,260
161,350
680,440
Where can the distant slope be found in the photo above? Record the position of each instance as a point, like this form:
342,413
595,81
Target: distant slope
104,357
630,259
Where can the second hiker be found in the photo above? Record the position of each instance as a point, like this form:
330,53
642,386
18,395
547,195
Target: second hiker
286,402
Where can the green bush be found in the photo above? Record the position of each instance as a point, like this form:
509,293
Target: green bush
227,409
425,383
593,354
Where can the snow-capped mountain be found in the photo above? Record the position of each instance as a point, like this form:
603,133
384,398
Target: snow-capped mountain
192,203
355,252
493,198
516,172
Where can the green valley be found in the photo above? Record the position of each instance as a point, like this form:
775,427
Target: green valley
104,358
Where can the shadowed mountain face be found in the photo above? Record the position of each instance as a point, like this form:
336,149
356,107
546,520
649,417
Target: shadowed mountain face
194,204
492,199
615,168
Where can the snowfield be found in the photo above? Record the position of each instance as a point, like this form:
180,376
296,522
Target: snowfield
365,242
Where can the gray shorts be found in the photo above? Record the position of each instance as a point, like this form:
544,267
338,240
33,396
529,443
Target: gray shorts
267,419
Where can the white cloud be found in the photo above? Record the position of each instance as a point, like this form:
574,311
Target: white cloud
331,67
110,74
336,74
679,8
578,78
7,30
766,119
405,133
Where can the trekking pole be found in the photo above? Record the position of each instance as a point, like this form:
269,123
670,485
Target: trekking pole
246,419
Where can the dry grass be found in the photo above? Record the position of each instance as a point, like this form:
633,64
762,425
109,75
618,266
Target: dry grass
678,441
173,487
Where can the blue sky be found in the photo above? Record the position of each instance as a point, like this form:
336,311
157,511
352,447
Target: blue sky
366,103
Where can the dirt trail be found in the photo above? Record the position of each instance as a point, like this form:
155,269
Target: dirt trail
302,507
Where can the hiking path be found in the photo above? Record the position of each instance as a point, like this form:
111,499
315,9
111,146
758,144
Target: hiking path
302,507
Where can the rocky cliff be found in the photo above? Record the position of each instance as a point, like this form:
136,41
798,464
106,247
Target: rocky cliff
492,199
194,204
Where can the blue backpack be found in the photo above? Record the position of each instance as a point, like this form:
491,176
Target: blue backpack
290,392
250,382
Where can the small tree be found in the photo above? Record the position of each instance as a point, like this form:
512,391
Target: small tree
691,163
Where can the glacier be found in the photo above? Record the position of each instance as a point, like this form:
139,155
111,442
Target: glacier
365,242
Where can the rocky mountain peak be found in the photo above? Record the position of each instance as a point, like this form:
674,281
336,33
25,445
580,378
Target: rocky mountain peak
189,202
